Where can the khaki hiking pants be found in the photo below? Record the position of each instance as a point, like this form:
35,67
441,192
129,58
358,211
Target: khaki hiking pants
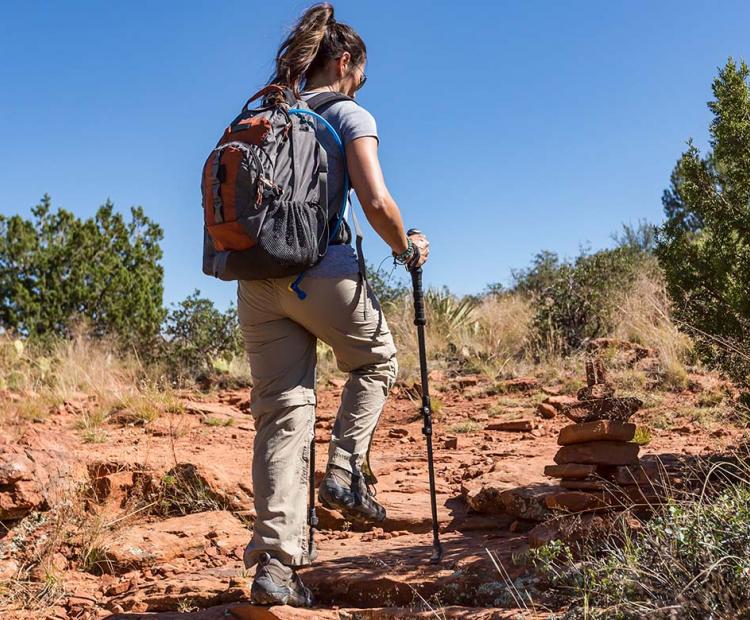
281,333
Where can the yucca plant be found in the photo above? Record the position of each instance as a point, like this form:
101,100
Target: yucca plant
449,313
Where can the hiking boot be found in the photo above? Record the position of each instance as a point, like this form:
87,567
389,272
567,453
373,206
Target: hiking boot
347,493
276,584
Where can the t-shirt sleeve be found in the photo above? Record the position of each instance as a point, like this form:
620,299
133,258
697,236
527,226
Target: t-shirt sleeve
354,122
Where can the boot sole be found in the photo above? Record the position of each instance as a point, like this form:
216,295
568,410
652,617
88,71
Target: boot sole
265,598
349,514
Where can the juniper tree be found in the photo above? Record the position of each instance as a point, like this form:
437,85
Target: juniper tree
704,244
57,270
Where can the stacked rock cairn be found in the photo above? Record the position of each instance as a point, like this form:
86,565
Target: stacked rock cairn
598,459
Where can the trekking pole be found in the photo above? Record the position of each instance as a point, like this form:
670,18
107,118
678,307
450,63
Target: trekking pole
312,516
420,321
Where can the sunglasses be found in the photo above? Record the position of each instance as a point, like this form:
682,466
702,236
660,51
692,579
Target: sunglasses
362,81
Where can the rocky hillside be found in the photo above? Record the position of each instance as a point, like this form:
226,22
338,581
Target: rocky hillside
147,515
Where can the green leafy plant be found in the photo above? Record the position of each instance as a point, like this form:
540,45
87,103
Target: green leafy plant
642,436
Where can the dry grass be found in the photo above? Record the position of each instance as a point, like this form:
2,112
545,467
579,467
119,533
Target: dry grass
468,426
489,336
645,317
326,368
498,339
82,371
45,544
67,369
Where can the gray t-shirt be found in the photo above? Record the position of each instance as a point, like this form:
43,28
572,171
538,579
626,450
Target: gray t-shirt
351,121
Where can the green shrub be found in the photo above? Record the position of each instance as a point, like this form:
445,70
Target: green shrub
704,244
387,284
198,335
575,300
690,561
57,269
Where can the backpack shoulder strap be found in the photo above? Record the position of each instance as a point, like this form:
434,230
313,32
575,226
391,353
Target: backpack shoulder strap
321,102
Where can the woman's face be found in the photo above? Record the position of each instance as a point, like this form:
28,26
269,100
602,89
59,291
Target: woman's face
357,79
353,77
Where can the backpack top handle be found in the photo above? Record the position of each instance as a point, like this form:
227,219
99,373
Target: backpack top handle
291,100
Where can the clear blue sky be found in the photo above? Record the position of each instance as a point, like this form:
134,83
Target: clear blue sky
506,127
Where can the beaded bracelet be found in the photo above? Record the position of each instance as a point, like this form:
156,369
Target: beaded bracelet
406,255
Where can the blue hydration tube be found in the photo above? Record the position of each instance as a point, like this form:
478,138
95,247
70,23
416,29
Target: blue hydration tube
294,286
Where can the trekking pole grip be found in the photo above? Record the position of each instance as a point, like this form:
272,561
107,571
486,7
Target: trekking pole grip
416,280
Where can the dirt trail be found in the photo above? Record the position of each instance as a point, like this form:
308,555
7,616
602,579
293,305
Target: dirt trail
145,563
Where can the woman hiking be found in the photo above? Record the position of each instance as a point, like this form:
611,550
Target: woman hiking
281,330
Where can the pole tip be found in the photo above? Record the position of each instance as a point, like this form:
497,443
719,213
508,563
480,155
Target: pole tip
437,554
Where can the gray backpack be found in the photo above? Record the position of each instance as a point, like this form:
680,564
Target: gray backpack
264,187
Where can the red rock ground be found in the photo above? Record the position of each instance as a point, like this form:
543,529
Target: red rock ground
146,565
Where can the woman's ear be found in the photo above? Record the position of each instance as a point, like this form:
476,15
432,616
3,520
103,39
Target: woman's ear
342,63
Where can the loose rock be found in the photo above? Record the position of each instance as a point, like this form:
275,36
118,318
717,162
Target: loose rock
583,485
546,411
20,492
451,443
519,384
514,426
561,403
527,502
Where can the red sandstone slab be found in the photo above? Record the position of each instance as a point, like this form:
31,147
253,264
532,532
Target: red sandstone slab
576,501
599,453
583,485
255,612
642,495
527,502
514,426
570,470
600,430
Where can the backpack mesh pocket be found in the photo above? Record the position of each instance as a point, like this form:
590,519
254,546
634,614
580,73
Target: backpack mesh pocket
294,237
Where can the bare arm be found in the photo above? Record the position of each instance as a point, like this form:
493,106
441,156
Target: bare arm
380,209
